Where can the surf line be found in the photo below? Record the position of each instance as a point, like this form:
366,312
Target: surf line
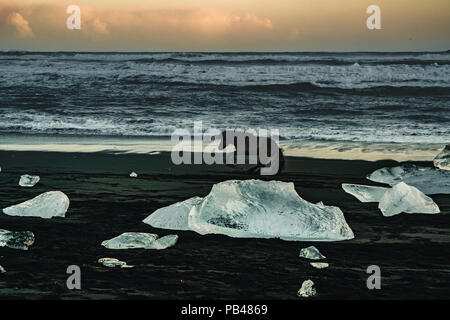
194,310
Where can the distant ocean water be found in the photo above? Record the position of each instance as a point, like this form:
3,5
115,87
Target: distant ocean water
367,97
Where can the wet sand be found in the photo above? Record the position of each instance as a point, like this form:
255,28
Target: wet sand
412,250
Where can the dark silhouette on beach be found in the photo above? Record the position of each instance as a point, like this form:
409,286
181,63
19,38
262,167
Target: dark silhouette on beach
232,138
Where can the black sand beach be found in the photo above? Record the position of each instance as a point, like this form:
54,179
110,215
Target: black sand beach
412,250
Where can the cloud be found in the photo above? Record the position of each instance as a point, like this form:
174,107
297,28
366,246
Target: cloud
203,22
175,28
21,25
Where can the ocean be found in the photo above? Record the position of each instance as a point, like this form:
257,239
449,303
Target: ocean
319,97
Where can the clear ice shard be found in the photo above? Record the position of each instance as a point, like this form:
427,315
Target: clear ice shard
311,253
408,199
427,179
266,209
140,240
113,262
319,265
28,181
173,217
47,205
364,193
442,160
16,239
307,290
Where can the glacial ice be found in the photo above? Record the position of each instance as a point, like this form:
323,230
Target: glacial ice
113,262
173,217
2,270
165,242
266,209
140,240
28,181
307,289
133,175
311,253
319,265
47,205
442,160
16,239
408,199
364,193
426,179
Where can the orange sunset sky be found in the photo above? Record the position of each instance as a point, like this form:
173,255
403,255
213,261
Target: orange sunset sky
225,25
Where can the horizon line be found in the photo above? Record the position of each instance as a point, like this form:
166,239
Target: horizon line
229,51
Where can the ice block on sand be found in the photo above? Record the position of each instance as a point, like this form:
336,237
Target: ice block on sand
427,179
47,205
408,199
442,160
364,193
140,240
266,209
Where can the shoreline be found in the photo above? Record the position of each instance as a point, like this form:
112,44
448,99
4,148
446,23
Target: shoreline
316,149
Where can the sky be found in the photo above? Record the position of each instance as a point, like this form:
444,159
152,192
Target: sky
225,25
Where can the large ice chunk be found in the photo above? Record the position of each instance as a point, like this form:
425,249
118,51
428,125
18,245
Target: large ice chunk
364,193
47,205
2,270
173,217
426,179
140,240
408,199
442,160
266,209
16,239
28,181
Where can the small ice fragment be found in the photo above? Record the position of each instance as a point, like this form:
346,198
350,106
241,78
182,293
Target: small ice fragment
311,253
307,290
47,205
16,239
173,217
130,240
140,240
442,160
28,181
126,266
319,265
364,193
2,270
408,199
113,262
133,175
